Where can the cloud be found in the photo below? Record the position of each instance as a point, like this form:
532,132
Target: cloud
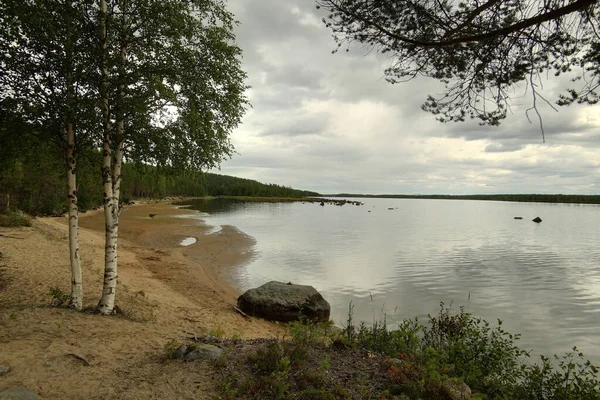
331,123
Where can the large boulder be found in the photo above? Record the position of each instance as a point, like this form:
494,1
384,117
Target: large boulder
278,301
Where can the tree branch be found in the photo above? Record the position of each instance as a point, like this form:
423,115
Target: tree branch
472,16
526,23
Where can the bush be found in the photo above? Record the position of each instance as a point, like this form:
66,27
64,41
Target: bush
15,219
573,379
452,355
58,297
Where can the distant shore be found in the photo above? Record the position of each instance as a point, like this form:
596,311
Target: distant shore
521,198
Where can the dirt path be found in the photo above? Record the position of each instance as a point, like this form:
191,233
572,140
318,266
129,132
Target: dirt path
166,292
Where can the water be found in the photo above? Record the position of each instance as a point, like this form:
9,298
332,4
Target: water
542,280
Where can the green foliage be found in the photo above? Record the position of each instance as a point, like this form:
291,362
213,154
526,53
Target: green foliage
217,331
58,297
480,51
34,182
273,366
308,332
574,378
171,349
14,219
223,185
452,349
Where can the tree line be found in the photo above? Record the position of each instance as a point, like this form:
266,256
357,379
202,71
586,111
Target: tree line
529,198
41,191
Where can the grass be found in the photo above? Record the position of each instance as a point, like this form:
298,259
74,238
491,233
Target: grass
58,297
452,355
14,219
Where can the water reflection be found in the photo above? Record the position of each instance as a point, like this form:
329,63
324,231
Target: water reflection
542,280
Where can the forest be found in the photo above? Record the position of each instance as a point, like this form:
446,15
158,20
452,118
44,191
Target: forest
530,198
33,181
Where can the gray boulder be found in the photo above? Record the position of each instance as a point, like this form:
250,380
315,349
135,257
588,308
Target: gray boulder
278,301
456,390
202,352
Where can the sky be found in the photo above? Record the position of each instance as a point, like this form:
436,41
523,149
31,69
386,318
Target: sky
331,123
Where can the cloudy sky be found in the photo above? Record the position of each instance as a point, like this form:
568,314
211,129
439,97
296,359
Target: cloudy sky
330,123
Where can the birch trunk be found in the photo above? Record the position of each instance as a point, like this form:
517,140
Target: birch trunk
107,301
76,301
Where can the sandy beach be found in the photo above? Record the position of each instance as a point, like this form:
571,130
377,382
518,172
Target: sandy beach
166,292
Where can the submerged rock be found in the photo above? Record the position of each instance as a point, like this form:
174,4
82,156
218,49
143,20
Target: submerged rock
278,301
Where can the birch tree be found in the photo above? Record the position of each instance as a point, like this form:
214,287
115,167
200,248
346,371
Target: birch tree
44,70
171,91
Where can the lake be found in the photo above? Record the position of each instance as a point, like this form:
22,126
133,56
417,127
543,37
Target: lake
402,257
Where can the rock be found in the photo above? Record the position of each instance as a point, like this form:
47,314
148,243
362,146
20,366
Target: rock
203,352
518,217
456,390
322,204
537,219
152,215
4,370
181,351
18,393
278,301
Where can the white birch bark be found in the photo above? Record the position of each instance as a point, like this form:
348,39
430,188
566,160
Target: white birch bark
76,301
107,301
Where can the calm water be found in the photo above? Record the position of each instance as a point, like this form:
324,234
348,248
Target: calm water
542,280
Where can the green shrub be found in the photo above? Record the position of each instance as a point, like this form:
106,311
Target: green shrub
273,359
58,297
572,379
15,219
459,348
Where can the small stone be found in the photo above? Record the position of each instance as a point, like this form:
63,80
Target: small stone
180,352
537,219
18,393
4,370
203,352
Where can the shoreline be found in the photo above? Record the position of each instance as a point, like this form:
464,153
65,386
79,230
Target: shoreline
166,293
212,253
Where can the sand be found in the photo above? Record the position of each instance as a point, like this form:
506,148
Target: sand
166,293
